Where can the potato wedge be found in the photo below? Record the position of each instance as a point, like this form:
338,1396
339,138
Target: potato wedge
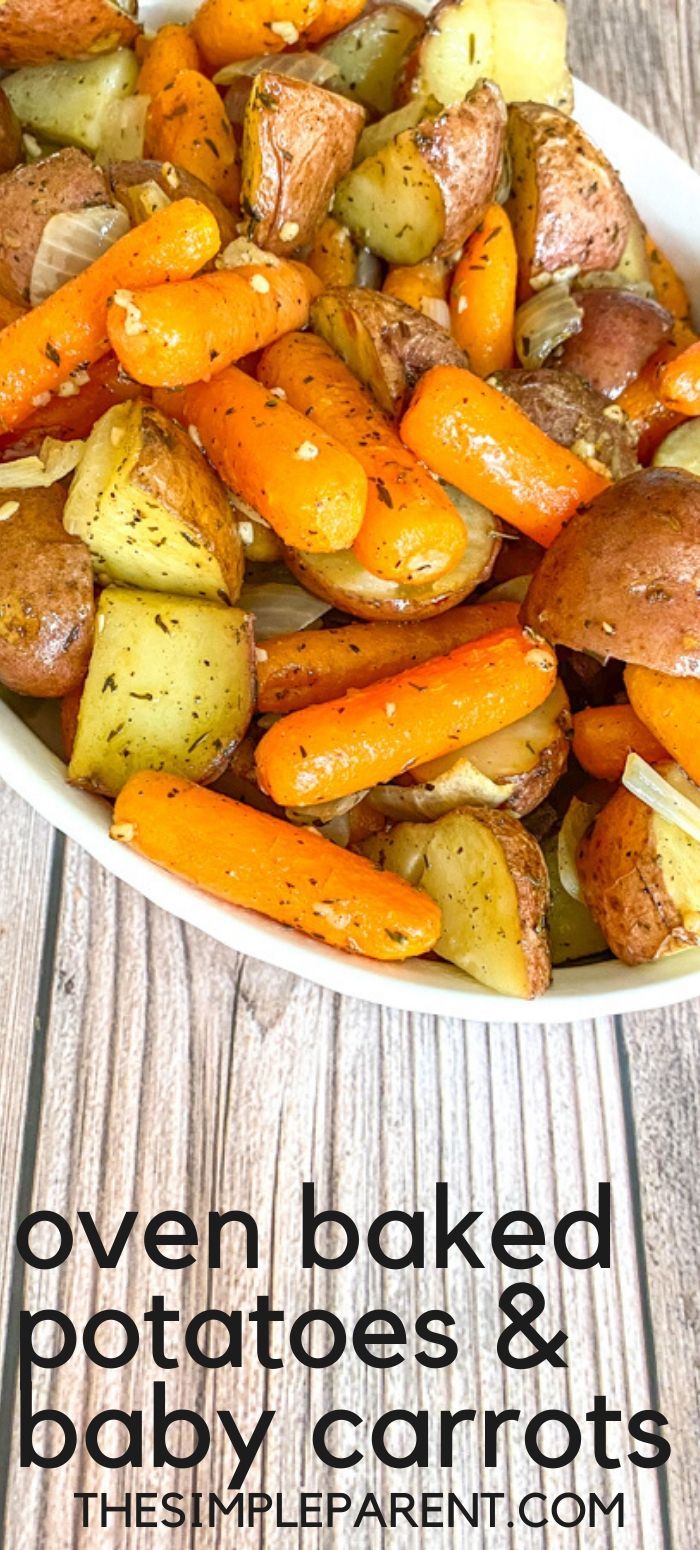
298,140
346,584
11,144
369,54
514,769
126,178
573,933
569,210
519,44
575,415
69,101
33,32
619,332
386,343
375,136
151,509
29,196
46,596
170,687
426,191
681,449
489,877
621,580
640,876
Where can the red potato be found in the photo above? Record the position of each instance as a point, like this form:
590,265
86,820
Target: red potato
29,196
619,333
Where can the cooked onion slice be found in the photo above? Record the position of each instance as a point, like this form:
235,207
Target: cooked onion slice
69,242
545,321
578,819
659,792
301,67
280,607
54,462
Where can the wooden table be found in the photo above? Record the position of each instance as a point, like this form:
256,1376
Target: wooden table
146,1067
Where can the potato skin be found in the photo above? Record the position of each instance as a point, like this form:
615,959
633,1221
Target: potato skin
619,332
46,597
574,415
298,140
11,143
621,579
388,344
33,31
29,196
623,883
177,184
528,870
464,150
569,209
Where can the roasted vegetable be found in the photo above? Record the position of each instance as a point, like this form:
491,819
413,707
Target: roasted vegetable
46,595
640,876
187,124
32,31
137,185
29,196
70,100
387,344
573,933
569,210
681,449
621,579
11,144
619,332
170,687
427,190
575,415
519,44
298,140
489,878
225,32
368,55
152,511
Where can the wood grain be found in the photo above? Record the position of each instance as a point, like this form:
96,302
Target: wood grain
166,1071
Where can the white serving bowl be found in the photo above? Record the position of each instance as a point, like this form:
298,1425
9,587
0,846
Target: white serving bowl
667,194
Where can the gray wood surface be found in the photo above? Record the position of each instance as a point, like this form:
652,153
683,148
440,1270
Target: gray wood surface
146,1067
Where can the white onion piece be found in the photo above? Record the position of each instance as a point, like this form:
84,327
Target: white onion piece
124,130
300,67
437,310
242,252
324,812
369,270
657,792
69,242
54,462
578,818
280,607
545,321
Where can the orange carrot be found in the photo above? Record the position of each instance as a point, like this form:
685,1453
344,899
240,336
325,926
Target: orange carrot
70,417
188,124
374,734
422,286
679,382
69,330
483,294
646,412
333,255
335,15
411,530
172,49
670,708
226,30
310,490
667,283
604,736
481,441
290,874
188,333
312,666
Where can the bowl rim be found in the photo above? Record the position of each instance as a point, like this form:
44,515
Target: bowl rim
602,989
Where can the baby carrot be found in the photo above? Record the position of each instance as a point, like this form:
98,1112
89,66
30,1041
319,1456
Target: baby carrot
422,286
310,490
411,530
670,708
39,351
668,286
605,735
287,873
483,294
374,734
679,382
187,123
335,15
333,255
172,49
189,333
311,666
481,441
226,30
